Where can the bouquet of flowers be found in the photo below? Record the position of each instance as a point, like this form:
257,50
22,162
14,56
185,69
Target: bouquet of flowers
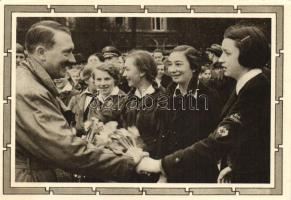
120,141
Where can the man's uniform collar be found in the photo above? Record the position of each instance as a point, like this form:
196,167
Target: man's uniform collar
39,71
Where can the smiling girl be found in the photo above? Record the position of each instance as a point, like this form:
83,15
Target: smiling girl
110,99
193,110
242,138
141,109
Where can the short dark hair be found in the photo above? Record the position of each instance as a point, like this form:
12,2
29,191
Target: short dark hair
145,63
193,56
43,33
252,44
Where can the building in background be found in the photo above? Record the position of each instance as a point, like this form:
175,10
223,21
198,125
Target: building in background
91,34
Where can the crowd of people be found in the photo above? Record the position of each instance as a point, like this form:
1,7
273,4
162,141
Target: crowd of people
203,117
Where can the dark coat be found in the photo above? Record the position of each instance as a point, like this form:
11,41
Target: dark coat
45,141
110,109
181,128
143,113
166,81
243,136
223,86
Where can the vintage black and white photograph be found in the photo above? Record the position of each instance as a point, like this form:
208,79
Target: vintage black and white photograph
133,99
115,97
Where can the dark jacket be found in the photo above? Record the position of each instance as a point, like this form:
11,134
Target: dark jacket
184,125
45,141
143,113
110,109
243,136
166,81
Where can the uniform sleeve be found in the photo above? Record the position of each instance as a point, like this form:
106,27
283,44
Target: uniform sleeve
44,133
215,107
231,132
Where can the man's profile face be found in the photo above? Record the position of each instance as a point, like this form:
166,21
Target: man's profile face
60,55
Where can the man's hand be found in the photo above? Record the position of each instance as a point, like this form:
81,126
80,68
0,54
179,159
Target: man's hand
148,164
224,175
137,154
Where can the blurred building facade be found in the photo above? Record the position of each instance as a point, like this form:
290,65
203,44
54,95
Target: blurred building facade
91,34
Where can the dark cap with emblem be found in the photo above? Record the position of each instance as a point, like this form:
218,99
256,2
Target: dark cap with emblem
216,49
110,51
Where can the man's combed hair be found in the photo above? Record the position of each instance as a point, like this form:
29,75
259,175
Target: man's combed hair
253,45
42,33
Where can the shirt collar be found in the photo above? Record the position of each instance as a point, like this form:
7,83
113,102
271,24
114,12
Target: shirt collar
38,70
176,89
158,82
114,92
148,91
245,78
176,93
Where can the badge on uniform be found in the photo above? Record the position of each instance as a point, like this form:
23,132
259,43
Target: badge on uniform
222,131
235,117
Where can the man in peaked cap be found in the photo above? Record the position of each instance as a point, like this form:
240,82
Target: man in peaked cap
214,52
110,54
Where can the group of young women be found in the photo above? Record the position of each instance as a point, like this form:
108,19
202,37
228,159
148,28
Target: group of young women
189,134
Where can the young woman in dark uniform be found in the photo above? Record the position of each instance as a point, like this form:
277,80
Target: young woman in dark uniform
141,107
242,138
192,112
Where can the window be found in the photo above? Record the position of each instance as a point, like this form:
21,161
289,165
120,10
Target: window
159,24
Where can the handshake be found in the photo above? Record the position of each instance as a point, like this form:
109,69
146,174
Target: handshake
125,142
145,164
128,143
150,165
